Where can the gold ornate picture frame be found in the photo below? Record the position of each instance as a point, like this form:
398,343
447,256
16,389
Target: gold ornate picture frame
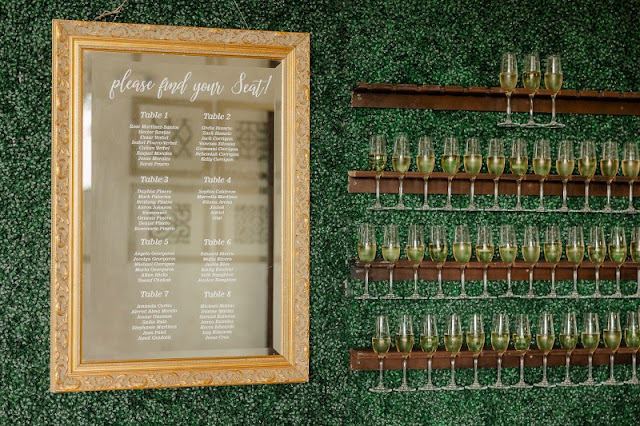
103,326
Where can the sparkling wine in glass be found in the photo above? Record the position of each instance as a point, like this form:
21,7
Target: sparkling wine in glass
552,254
453,343
531,253
590,340
391,254
632,340
508,81
425,160
381,341
484,254
587,164
495,166
630,168
553,82
472,165
400,161
429,341
597,251
565,163
450,164
519,163
617,254
635,255
475,343
545,339
366,254
500,343
521,339
462,253
377,162
541,166
508,249
612,337
531,82
415,254
568,340
609,163
405,339
438,250
575,254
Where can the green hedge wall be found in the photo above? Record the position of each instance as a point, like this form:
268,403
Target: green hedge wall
433,42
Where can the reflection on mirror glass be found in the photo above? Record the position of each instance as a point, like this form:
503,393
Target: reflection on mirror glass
181,206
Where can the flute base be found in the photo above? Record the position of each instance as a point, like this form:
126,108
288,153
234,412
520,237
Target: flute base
404,388
380,389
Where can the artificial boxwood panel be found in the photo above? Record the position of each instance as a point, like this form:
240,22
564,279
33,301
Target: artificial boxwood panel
392,41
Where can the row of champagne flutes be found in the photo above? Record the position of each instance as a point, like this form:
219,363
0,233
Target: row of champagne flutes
521,336
496,161
597,246
531,81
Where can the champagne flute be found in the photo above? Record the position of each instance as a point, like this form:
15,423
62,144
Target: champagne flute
500,343
545,338
429,343
400,161
472,165
553,82
617,254
597,251
381,341
453,343
519,162
632,339
590,340
508,81
366,254
630,168
635,255
475,343
612,337
508,251
425,160
377,162
609,168
450,164
391,253
565,164
568,341
541,166
415,254
495,166
438,250
587,167
531,253
531,82
552,254
521,341
484,253
462,253
575,254
405,340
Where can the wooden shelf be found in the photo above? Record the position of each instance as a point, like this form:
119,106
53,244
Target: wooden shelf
379,271
364,359
365,182
458,98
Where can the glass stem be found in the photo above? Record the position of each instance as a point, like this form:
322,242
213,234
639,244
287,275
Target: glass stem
380,382
429,364
404,371
575,281
391,280
531,108
377,205
508,120
475,370
608,206
453,371
415,280
638,284
597,291
499,380
590,377
495,194
366,281
553,108
531,281
425,204
541,206
462,280
634,371
522,368
449,206
586,195
567,363
630,195
611,376
400,191
564,194
618,293
440,292
518,205
544,368
473,190
553,282
509,292
485,293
